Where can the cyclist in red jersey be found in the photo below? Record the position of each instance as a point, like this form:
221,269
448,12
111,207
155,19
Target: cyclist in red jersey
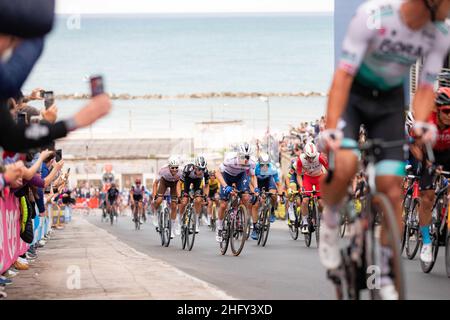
441,119
311,164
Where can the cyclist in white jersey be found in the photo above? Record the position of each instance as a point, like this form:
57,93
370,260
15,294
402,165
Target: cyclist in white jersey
168,177
384,39
239,169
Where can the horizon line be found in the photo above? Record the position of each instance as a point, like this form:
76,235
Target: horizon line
199,13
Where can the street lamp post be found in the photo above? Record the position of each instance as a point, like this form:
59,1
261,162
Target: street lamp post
266,100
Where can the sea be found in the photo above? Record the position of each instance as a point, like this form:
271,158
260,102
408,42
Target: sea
170,55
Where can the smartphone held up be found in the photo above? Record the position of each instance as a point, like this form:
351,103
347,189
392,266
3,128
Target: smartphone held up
49,99
97,87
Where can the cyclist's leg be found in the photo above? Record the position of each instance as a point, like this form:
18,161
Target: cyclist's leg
243,184
160,194
173,206
184,196
390,170
346,164
198,201
257,203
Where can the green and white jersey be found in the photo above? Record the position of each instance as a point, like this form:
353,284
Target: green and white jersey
379,48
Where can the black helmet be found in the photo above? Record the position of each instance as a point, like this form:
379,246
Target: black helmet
200,162
444,79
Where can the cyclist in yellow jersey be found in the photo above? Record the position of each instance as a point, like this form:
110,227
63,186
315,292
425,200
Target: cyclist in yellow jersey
213,195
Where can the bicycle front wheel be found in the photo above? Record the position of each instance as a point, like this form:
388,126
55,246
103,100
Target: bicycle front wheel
412,232
381,205
238,230
317,224
190,230
184,224
167,227
261,221
266,227
225,234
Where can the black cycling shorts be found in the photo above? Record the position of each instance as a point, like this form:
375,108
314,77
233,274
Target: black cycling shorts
383,115
426,179
137,197
212,193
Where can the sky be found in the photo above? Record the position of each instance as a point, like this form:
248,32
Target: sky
191,6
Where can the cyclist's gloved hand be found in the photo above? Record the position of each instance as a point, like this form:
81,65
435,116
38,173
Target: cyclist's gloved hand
257,190
228,190
427,132
330,139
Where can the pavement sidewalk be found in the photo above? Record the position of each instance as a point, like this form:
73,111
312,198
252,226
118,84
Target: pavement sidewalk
86,262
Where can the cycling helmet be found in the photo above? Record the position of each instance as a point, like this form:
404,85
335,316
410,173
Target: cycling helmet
173,162
409,121
443,97
245,150
310,150
200,162
264,158
444,79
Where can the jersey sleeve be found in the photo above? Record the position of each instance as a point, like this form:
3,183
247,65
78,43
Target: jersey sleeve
360,31
299,166
434,60
323,161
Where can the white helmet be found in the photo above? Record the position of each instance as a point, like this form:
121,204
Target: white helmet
173,162
245,150
200,162
409,121
264,158
310,150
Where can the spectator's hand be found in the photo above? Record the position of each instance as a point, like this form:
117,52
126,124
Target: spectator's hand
45,154
97,108
36,94
50,114
58,165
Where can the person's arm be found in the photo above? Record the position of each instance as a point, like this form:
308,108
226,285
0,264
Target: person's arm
220,178
254,183
51,176
30,172
155,187
19,138
14,72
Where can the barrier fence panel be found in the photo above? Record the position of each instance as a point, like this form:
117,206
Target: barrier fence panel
11,245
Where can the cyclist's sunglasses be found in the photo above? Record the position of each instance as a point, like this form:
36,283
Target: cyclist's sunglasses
445,110
199,169
245,157
173,168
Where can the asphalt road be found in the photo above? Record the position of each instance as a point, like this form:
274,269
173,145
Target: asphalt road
284,269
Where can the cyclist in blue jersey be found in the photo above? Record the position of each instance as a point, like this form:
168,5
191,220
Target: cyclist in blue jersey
267,178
